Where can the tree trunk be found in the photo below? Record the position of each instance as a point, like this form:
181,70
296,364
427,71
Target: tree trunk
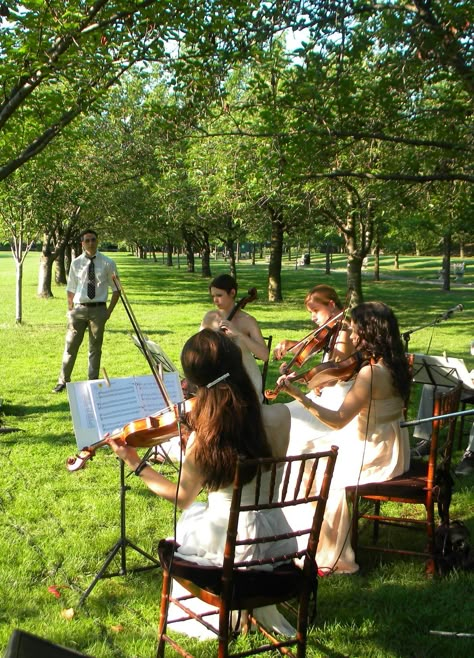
276,255
377,262
45,276
19,291
169,253
189,250
396,261
68,256
229,245
60,275
206,257
354,278
447,262
328,258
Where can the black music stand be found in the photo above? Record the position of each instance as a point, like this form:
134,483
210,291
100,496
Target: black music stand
439,371
120,547
435,372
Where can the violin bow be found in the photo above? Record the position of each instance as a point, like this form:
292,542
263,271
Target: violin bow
142,341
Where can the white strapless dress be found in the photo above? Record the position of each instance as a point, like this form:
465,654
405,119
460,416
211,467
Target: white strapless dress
201,533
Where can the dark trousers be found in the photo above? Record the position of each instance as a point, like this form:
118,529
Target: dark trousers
92,318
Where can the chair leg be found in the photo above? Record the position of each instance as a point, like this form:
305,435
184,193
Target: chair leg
165,592
376,531
430,567
302,628
355,522
224,631
461,427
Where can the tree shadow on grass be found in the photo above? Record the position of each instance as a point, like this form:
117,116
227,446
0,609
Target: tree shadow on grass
397,618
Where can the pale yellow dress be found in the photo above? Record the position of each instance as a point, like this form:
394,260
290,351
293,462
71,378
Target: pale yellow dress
372,448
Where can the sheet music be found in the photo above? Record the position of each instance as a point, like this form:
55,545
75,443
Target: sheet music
441,371
158,354
98,409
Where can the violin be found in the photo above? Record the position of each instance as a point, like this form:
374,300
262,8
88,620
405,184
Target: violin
242,303
142,433
326,374
331,372
313,343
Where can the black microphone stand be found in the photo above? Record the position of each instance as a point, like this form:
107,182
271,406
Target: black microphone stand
406,334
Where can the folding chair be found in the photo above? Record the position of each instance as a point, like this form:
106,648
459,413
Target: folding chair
250,584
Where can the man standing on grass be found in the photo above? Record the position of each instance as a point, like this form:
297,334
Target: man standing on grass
90,278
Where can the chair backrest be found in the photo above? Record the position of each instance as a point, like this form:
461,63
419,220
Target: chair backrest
439,462
279,483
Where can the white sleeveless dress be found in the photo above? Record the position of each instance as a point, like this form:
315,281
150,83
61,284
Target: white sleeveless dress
201,533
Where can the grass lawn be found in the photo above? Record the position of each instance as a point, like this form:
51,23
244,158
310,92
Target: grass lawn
57,527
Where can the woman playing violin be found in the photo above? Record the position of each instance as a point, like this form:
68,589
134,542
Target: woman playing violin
323,303
242,328
227,420
372,446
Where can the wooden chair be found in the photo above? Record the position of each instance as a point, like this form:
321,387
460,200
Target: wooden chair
425,483
467,398
246,585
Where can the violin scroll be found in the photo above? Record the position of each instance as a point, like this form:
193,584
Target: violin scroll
79,461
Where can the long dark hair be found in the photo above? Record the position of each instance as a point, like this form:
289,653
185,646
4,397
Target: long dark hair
379,337
227,415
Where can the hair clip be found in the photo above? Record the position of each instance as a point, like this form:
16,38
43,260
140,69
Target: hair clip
216,381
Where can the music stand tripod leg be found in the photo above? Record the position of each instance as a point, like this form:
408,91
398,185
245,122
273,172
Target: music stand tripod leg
120,545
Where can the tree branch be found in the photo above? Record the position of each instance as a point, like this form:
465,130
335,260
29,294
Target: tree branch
407,178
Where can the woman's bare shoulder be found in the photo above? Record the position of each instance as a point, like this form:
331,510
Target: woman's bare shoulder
378,378
277,420
275,412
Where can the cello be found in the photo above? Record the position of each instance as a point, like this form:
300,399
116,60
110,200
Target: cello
242,303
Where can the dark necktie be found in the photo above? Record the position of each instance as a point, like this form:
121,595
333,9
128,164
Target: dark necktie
91,279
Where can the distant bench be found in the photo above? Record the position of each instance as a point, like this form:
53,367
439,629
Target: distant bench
457,270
